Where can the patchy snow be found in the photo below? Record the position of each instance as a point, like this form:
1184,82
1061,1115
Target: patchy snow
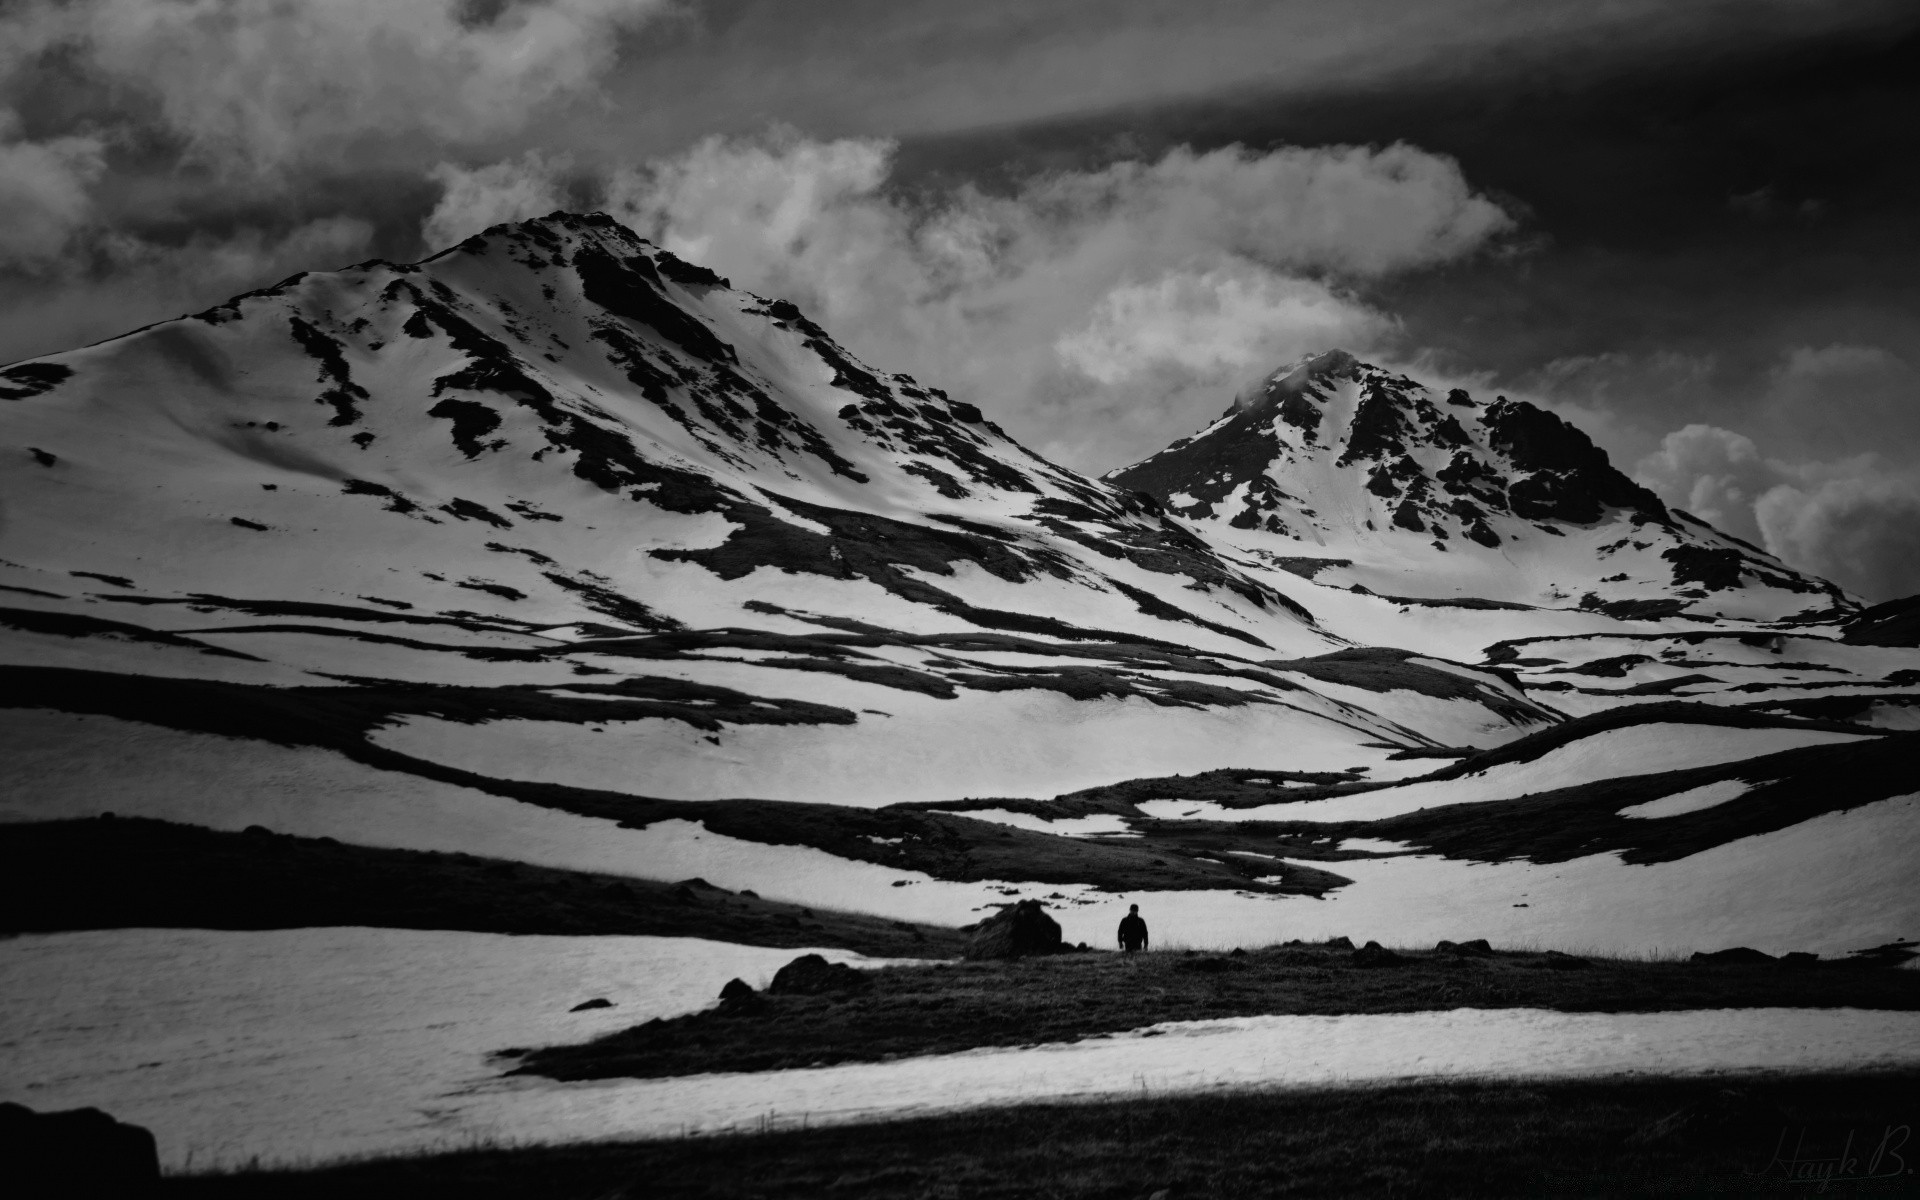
1635,750
1028,744
1091,825
1374,845
1902,717
317,1044
1692,800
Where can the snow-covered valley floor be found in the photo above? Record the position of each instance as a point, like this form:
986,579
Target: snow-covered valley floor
310,1045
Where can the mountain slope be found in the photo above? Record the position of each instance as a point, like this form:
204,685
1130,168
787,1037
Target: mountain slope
555,481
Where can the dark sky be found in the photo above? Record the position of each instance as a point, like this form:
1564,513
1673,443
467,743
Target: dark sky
1689,227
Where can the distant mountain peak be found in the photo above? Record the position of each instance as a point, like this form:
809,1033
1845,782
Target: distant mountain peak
1335,452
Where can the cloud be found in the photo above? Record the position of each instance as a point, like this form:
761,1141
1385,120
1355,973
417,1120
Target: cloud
256,85
1099,313
1715,474
137,280
43,193
472,200
1207,324
1855,521
1861,530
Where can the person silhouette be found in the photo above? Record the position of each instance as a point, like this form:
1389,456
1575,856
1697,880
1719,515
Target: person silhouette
1133,931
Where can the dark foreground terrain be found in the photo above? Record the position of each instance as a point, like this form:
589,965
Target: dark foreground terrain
1805,1135
127,872
946,1007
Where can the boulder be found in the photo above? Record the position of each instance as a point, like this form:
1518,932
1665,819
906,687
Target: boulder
1339,943
80,1152
596,1002
811,975
1477,948
1738,954
1373,954
1016,931
736,990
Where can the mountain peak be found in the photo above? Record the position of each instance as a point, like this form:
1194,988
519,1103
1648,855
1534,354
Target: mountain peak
1441,491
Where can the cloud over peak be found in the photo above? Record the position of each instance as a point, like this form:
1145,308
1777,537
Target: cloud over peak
1099,313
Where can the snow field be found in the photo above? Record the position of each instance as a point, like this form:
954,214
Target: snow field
1029,743
1706,796
316,1043
1833,884
54,766
310,1045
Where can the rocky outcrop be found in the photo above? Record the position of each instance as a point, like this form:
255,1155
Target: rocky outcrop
812,975
1017,931
1736,955
1373,954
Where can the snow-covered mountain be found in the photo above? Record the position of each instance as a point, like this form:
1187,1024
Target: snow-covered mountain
558,548
1363,478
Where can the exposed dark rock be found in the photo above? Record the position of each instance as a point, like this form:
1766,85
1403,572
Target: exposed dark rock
630,288
1738,954
812,975
1017,931
25,380
1373,954
1477,948
1895,623
79,1152
1570,479
1715,568
687,274
735,991
344,394
596,1002
472,421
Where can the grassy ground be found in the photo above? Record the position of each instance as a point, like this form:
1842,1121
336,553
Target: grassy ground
944,1008
1615,1138
125,871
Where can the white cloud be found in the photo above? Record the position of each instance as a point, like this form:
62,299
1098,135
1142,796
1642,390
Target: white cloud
253,85
1855,521
472,200
1214,323
43,192
1715,474
1860,529
1099,313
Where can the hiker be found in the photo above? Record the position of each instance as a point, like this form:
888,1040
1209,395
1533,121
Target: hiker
1133,931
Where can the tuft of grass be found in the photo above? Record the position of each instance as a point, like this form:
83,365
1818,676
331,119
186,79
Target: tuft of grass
1489,1138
